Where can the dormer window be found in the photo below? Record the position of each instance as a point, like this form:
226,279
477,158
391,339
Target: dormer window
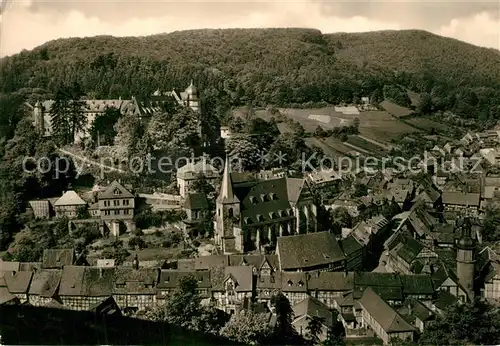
272,279
117,192
301,283
290,283
260,218
271,215
253,200
248,220
264,197
273,196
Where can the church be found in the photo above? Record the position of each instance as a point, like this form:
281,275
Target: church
251,214
42,119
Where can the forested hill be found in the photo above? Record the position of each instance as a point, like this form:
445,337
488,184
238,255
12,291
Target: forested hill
278,66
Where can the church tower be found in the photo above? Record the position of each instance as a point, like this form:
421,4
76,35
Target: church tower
465,260
227,215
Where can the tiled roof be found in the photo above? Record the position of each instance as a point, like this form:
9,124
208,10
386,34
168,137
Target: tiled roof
72,281
98,282
169,279
57,258
313,308
115,186
18,282
192,170
381,312
308,250
213,261
410,249
417,284
294,282
135,281
256,261
70,198
417,309
8,266
45,282
350,245
330,281
195,201
460,198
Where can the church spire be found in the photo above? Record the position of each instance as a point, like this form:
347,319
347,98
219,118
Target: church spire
226,191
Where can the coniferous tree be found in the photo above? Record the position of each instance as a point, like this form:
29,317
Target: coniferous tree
67,114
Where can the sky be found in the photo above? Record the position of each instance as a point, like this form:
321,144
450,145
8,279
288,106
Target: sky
25,24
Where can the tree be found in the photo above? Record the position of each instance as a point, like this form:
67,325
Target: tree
491,223
183,308
340,218
425,104
455,326
314,329
128,130
285,333
360,190
103,128
246,153
67,113
248,328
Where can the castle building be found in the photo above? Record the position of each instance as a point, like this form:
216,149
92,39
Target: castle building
252,214
42,117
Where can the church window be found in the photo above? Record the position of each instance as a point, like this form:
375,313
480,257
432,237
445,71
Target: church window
230,212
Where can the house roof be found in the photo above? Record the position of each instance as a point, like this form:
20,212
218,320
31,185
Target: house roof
256,261
71,281
350,245
195,201
169,279
70,198
135,281
98,282
57,258
115,190
312,307
9,266
417,284
308,250
18,282
294,282
212,261
460,198
45,282
416,308
330,281
381,312
444,299
410,248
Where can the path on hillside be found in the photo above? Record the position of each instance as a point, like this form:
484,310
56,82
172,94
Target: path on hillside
90,162
383,146
358,149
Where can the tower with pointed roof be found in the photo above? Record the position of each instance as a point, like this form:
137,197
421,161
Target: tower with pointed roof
228,233
465,260
192,97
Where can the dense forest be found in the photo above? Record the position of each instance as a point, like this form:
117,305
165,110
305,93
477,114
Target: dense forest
268,66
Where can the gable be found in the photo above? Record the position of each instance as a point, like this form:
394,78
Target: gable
115,190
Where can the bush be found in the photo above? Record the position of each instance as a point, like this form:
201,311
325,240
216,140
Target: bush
196,243
137,241
166,244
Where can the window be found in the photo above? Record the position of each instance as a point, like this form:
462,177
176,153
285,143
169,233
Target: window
126,202
126,212
117,192
116,202
230,212
117,212
107,203
107,212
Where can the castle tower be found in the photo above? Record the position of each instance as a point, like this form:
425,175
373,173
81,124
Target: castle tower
192,97
465,260
38,120
227,215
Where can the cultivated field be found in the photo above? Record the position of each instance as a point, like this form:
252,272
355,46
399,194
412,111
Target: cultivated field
366,146
428,125
394,109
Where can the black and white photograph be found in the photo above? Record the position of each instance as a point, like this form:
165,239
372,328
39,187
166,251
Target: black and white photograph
301,172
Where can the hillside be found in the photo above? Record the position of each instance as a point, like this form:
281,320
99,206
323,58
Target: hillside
278,66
